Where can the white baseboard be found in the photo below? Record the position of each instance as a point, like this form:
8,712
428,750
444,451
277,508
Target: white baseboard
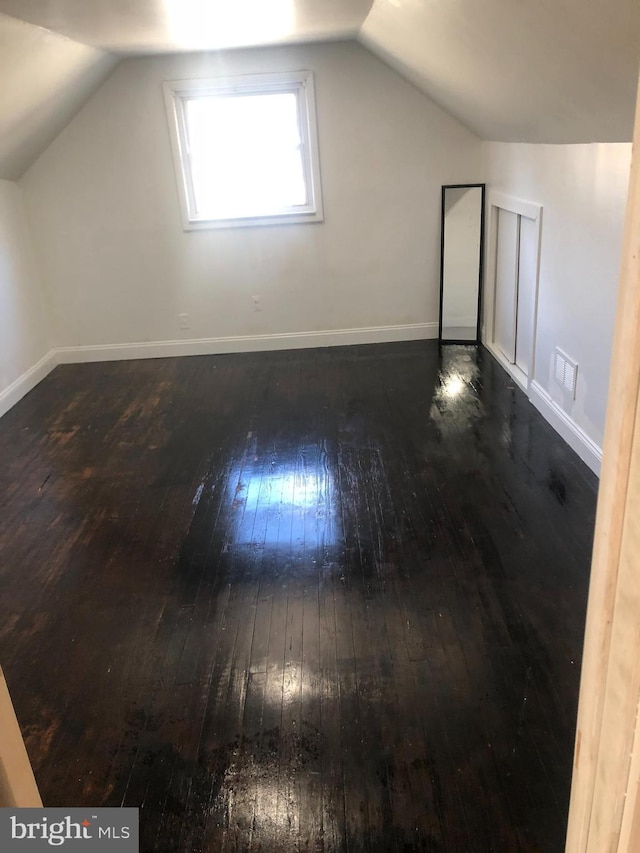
518,376
575,436
247,343
25,383
209,346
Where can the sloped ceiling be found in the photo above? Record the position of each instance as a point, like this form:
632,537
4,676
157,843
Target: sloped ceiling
160,26
518,70
44,80
511,70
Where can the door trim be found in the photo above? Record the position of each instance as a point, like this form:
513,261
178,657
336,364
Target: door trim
604,814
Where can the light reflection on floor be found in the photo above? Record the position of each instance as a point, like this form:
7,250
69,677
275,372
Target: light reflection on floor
281,504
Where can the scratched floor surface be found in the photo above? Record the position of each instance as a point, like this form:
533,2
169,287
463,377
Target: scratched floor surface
327,600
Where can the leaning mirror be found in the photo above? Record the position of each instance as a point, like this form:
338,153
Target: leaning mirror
461,262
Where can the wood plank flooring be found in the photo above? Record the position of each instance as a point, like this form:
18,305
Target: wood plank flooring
320,600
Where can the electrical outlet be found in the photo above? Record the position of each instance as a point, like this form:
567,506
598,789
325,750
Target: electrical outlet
256,303
184,321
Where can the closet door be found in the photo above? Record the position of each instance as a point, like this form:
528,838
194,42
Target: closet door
527,273
506,289
512,284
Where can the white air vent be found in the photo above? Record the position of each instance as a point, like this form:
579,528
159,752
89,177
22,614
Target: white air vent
565,371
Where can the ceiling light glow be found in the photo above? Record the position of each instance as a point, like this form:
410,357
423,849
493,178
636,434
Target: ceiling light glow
228,23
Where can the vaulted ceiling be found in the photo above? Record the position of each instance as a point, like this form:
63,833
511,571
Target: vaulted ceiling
518,70
537,71
165,26
44,79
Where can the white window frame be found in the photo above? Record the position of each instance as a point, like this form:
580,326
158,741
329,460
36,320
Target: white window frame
300,83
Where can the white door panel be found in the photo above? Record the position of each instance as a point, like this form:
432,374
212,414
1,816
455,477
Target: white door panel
504,326
527,271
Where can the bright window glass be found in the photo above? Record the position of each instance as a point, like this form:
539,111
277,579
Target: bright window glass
246,157
245,150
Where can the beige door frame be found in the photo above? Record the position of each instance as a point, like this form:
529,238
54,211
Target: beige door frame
604,815
17,784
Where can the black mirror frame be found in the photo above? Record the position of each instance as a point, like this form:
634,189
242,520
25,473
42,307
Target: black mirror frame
480,264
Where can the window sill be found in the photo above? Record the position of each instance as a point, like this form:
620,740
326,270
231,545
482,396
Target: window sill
252,221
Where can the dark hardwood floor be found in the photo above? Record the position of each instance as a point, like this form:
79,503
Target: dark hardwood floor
326,600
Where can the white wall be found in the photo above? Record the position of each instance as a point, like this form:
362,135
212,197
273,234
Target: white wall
24,338
104,204
583,190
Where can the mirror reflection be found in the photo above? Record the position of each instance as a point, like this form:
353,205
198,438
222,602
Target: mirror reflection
461,262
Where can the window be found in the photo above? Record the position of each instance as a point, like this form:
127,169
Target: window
245,149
